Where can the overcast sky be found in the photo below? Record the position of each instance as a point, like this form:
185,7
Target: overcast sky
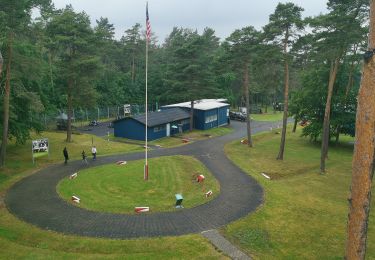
224,16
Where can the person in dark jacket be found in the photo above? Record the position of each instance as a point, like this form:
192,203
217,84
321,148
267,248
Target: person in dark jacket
66,155
84,157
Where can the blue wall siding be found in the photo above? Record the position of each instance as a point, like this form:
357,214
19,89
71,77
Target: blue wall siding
132,129
200,118
129,128
223,116
209,125
152,135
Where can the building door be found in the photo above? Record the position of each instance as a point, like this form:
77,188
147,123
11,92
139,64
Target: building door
168,129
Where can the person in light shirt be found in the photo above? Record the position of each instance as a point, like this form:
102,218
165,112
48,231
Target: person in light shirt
93,151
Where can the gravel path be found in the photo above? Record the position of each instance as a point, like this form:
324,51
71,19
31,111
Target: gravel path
34,198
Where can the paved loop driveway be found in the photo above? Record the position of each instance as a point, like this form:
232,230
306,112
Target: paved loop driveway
34,198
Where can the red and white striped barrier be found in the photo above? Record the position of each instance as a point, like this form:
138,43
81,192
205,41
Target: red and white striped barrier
76,199
200,178
121,162
73,176
141,209
266,176
208,193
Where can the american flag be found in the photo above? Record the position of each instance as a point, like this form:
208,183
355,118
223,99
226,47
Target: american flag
148,25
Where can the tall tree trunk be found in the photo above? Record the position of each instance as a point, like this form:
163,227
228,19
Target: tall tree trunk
247,100
349,85
338,129
133,70
280,156
1,63
295,124
51,74
327,114
4,140
364,157
70,109
191,115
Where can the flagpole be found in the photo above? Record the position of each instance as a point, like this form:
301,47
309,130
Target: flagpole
146,107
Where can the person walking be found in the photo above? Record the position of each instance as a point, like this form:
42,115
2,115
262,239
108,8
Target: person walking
84,157
66,155
93,151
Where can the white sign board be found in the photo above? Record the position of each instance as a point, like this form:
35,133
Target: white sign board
127,109
39,148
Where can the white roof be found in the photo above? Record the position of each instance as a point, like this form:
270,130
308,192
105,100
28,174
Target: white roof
203,104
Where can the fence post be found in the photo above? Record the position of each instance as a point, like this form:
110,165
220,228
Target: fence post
98,114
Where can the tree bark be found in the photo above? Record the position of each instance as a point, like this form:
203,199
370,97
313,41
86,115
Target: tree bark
133,69
338,129
70,109
295,124
364,157
51,73
327,114
247,100
4,140
1,63
191,115
280,156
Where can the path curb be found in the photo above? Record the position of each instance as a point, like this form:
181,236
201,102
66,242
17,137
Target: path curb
224,245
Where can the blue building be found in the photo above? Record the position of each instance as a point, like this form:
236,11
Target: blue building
160,124
208,113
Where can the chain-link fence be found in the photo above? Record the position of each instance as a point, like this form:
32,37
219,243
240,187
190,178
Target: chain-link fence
82,116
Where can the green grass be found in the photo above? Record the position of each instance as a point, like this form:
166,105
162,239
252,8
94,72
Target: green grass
40,154
120,188
195,135
269,116
305,214
19,157
20,240
173,141
23,241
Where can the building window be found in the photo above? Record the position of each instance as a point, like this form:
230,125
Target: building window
210,119
159,128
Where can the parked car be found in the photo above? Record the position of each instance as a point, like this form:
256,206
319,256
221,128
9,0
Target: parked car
237,116
94,123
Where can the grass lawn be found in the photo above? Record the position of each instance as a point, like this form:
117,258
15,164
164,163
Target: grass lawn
269,116
21,240
195,135
120,188
305,214
173,141
19,157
